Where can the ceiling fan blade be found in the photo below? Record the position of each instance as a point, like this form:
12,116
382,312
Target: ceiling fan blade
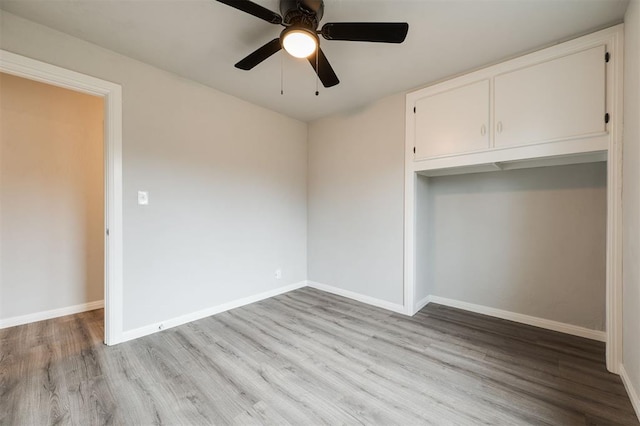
324,70
260,55
254,9
380,32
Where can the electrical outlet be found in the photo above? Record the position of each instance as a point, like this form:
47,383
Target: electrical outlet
278,274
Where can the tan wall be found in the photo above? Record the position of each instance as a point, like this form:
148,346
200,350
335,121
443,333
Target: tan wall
51,197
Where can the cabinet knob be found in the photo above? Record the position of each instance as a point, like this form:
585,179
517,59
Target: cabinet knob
499,127
483,130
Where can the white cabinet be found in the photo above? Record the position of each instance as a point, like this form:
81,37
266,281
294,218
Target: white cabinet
554,100
550,103
453,121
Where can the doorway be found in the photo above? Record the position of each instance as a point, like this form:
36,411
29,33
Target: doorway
52,197
108,96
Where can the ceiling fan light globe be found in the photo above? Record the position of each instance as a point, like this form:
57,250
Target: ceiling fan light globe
300,43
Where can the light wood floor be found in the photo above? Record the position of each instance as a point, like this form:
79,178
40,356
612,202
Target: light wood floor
308,357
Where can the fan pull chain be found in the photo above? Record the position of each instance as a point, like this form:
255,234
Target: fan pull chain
282,73
317,70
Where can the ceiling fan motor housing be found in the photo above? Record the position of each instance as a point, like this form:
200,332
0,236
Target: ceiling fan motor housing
302,13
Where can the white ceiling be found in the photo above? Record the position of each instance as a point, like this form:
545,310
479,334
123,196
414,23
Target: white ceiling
203,39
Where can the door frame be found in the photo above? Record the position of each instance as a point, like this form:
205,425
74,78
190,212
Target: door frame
21,66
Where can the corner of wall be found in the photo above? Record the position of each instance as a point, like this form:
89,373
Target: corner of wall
630,367
634,396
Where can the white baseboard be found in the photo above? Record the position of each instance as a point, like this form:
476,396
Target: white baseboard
631,390
194,316
521,318
359,297
421,304
173,322
53,313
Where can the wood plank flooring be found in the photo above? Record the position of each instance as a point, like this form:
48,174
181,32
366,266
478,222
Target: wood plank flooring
308,357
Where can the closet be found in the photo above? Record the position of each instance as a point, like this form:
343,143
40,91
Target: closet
559,106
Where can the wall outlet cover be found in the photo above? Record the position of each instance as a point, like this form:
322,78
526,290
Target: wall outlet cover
143,198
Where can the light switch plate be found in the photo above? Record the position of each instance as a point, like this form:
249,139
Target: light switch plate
143,198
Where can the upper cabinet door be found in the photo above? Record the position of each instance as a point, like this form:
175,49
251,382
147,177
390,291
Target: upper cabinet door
454,121
560,99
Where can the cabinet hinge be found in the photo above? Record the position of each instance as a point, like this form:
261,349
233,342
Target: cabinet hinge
607,56
414,149
414,110
606,118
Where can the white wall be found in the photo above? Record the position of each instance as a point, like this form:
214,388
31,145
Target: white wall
355,225
631,199
226,181
51,198
530,241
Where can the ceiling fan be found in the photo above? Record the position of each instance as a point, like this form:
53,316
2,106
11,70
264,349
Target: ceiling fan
300,35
